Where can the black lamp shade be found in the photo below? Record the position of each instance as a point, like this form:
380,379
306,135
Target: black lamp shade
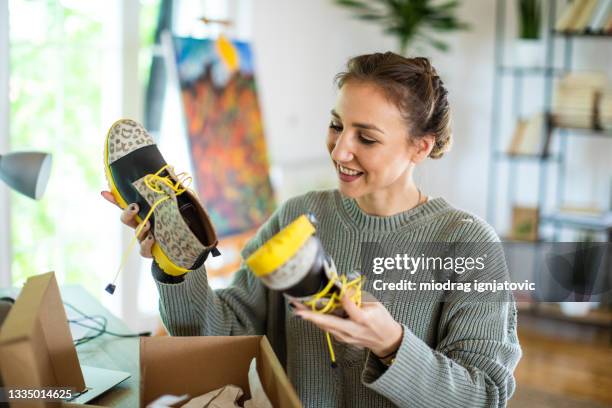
26,172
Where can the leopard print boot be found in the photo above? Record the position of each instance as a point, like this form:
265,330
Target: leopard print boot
137,173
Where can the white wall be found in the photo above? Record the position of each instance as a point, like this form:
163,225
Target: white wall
5,241
299,47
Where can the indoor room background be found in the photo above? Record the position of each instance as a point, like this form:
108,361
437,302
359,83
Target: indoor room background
70,68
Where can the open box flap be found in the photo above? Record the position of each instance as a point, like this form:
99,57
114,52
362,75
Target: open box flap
36,347
197,365
279,389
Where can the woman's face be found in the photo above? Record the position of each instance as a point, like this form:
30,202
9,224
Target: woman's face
368,142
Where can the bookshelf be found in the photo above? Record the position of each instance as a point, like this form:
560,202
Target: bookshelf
547,74
557,46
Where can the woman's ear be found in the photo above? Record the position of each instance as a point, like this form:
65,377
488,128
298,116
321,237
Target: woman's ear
424,145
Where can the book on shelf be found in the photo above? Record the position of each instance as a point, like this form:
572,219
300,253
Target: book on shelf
600,16
517,137
569,15
530,137
584,15
575,101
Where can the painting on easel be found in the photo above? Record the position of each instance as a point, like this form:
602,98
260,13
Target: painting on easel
226,137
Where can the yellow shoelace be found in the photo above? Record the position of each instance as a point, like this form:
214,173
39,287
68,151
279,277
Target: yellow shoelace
334,302
153,182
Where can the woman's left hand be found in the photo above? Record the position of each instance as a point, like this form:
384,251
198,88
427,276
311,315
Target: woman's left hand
370,326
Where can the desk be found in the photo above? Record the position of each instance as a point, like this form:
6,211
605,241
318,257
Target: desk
105,351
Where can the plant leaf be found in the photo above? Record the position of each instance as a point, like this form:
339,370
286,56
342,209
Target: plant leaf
440,45
408,20
354,4
370,17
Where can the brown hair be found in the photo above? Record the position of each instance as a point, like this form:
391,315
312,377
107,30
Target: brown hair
414,86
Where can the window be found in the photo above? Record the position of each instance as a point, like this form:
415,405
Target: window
63,97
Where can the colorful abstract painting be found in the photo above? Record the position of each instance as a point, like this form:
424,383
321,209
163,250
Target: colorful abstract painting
224,124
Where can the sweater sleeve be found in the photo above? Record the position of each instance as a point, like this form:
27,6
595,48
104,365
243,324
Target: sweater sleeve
472,363
189,307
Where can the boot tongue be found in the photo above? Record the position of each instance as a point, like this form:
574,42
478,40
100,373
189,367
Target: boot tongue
190,215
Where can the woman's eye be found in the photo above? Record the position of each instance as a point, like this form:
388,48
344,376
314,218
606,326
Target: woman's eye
335,127
365,140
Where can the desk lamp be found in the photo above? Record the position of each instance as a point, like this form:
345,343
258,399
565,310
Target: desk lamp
26,172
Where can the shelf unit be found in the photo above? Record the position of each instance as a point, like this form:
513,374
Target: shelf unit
548,73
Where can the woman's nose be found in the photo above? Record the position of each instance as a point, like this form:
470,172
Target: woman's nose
342,150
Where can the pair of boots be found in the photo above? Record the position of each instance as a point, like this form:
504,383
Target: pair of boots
293,261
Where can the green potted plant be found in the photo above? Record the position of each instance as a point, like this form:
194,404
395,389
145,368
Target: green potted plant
528,47
412,22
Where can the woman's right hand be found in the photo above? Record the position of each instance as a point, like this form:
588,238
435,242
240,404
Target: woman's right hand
128,217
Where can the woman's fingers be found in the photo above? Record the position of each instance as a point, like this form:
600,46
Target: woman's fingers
128,216
354,312
328,322
340,336
298,305
146,246
108,196
144,232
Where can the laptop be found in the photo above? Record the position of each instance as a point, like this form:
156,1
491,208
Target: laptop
37,349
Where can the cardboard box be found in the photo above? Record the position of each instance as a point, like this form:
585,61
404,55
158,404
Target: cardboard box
197,365
36,348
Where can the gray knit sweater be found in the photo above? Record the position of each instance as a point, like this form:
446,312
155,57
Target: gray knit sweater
453,354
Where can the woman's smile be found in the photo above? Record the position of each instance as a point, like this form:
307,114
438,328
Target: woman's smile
348,174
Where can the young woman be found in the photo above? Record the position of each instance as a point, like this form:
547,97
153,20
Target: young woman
432,351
